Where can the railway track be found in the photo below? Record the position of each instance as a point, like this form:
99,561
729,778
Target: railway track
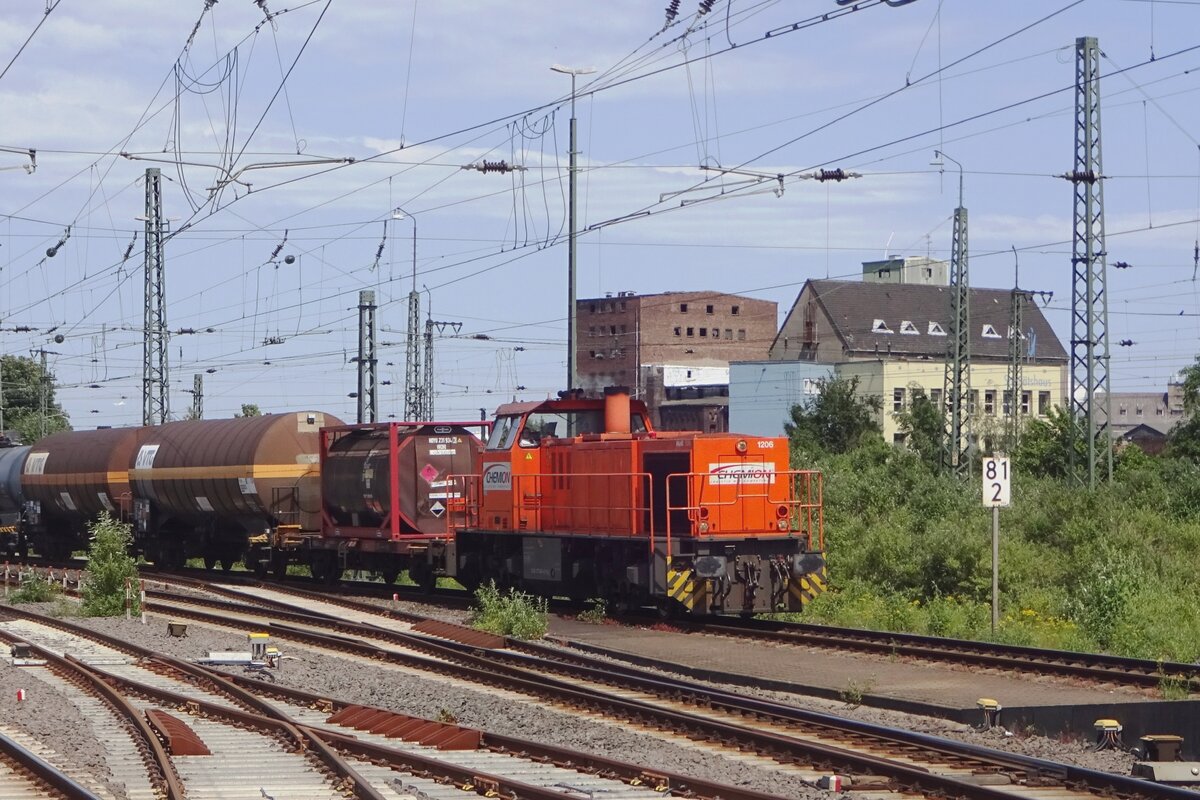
812,743
1093,667
24,773
357,747
1098,668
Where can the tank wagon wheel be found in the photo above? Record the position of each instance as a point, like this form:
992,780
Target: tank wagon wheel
389,575
422,574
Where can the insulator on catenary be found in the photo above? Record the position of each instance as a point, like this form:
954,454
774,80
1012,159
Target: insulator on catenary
706,6
672,11
495,166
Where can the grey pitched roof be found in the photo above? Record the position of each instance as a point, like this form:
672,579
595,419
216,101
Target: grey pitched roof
856,308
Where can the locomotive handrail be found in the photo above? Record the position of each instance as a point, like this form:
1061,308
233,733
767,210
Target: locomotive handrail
637,484
803,512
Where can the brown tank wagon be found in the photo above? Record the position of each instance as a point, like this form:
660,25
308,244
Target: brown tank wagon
71,478
205,488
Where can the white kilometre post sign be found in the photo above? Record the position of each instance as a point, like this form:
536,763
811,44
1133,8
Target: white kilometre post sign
997,494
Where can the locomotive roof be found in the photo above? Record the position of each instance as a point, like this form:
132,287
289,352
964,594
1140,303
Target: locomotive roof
571,404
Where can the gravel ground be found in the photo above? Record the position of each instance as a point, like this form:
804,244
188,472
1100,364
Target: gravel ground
58,723
1074,752
52,720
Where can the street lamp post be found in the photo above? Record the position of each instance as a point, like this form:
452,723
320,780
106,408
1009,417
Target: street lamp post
572,321
413,406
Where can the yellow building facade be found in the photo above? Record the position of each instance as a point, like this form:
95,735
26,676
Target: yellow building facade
1043,387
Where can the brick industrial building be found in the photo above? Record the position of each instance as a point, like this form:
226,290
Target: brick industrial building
673,349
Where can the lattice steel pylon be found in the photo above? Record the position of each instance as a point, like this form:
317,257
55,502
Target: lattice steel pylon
412,359
368,361
956,454
1016,355
1089,296
156,400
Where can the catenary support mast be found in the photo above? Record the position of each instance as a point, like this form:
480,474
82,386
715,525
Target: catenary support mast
1090,400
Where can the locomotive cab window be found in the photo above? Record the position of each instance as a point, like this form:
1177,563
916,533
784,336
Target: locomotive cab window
504,433
558,424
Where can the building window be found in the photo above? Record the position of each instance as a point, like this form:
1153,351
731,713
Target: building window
704,331
897,399
683,308
678,330
1008,402
691,331
989,332
906,326
935,329
708,309
622,305
989,402
729,333
935,397
879,326
1122,411
1026,402
591,330
1139,411
623,329
1043,403
735,310
741,334
608,308
1158,412
972,401
592,353
899,438
612,330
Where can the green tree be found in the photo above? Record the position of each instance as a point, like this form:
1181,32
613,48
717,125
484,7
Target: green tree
1045,447
110,569
836,420
924,427
250,410
1184,439
21,399
1191,387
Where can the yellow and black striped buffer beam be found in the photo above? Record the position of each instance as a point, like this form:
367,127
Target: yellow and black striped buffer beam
803,589
685,588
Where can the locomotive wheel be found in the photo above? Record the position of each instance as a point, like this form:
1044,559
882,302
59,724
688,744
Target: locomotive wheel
210,562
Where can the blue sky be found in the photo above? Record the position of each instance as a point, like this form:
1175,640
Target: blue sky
414,91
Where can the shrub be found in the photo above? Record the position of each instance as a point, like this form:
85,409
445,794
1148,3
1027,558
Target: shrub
110,569
515,614
596,613
35,589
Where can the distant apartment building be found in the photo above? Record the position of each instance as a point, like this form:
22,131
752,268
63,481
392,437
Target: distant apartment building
673,349
1145,418
919,270
893,337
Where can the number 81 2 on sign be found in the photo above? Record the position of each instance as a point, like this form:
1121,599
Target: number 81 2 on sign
997,483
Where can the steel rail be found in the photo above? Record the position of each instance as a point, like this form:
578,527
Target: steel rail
43,771
468,663
157,761
241,690
1022,658
263,717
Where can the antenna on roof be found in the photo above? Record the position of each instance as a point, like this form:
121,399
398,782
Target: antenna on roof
887,247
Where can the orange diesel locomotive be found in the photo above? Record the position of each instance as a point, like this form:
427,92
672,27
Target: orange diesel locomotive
583,498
